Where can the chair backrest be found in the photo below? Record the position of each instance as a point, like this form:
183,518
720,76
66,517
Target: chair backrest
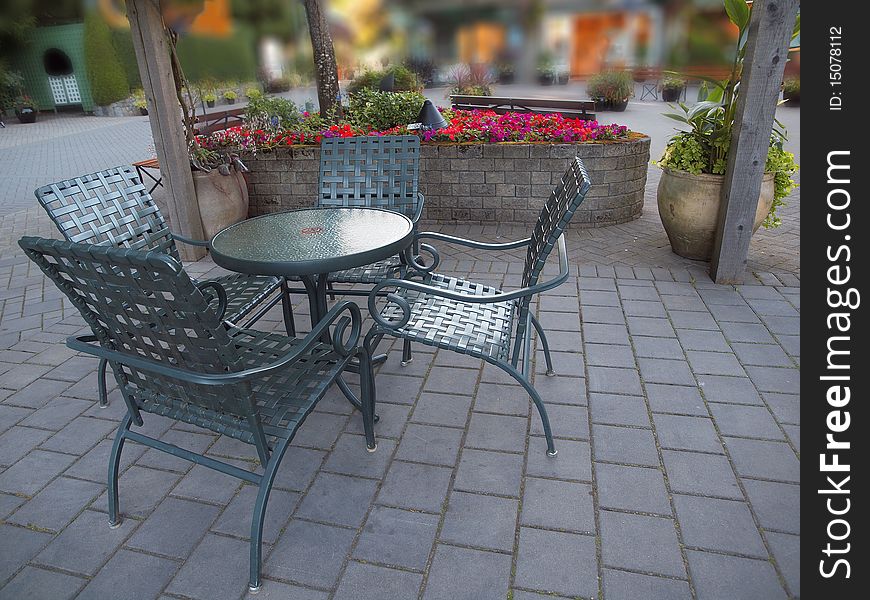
144,305
557,212
111,208
371,171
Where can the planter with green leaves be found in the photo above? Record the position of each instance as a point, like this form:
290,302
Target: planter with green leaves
791,91
230,96
210,99
694,161
611,90
672,88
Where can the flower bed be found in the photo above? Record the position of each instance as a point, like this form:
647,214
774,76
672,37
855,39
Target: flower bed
482,168
464,126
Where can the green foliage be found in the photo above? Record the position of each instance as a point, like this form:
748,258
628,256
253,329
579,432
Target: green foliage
139,99
405,80
11,87
383,110
613,86
684,153
107,77
268,112
230,95
782,165
253,93
122,41
205,57
792,85
673,82
209,97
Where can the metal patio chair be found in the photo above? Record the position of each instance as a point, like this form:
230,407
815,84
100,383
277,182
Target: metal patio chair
114,208
371,171
173,354
476,319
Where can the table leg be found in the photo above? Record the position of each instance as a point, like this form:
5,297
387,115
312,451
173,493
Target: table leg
315,287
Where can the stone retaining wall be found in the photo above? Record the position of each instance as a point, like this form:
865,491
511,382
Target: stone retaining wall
479,183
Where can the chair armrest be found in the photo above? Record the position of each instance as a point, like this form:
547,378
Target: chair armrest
440,292
334,316
418,211
190,241
434,235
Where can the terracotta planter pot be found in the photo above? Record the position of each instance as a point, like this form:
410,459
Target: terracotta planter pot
223,199
689,209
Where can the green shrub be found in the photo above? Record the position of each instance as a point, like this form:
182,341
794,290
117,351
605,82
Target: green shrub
614,86
792,85
232,57
267,112
107,77
384,110
673,82
405,80
122,41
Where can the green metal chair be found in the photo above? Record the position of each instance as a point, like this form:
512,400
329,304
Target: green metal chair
476,319
173,354
114,208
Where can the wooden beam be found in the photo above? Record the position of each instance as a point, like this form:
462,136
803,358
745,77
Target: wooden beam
770,28
155,69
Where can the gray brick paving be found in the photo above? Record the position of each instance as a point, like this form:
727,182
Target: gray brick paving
675,410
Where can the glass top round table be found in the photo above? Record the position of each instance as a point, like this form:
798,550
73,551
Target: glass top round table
311,241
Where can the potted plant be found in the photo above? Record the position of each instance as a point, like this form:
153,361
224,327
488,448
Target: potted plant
693,164
791,91
139,102
230,96
253,93
672,88
209,98
546,69
221,189
611,90
25,109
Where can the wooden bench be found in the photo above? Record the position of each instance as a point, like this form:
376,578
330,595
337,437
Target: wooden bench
574,109
219,120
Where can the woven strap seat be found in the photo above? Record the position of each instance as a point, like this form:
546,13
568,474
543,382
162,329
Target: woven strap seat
478,329
373,273
282,400
245,292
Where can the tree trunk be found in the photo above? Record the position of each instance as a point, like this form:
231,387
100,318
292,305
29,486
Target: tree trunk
324,61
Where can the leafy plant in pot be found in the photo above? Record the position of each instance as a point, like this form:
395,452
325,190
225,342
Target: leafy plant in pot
611,90
791,91
230,96
694,161
672,88
25,109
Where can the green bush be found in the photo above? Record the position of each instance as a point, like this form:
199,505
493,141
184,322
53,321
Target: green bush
204,57
122,41
107,77
266,112
614,86
384,110
405,80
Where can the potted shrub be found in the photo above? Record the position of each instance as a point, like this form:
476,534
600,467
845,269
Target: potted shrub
672,88
546,69
230,96
221,190
25,109
694,161
253,93
139,102
611,90
791,91
210,99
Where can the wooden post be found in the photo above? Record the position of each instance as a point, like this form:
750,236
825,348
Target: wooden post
155,70
770,28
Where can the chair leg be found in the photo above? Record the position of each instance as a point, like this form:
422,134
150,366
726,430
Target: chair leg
331,291
539,404
367,397
114,466
546,345
101,383
406,352
259,517
287,307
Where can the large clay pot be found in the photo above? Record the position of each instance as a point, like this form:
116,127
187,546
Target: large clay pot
223,199
689,209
